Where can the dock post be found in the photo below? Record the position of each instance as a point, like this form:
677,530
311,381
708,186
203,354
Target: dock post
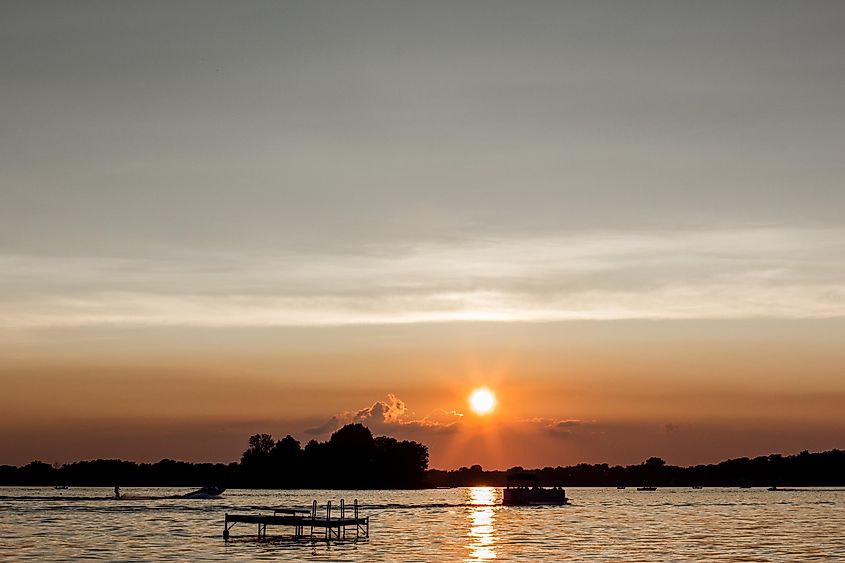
342,516
357,522
328,519
313,516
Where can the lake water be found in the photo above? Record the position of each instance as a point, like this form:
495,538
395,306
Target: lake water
433,525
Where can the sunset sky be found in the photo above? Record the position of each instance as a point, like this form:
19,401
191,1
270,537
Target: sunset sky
625,219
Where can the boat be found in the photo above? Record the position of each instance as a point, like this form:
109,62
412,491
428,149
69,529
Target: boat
646,488
205,493
60,487
697,487
620,487
523,489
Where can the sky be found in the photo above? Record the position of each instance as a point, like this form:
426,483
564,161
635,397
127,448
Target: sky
219,219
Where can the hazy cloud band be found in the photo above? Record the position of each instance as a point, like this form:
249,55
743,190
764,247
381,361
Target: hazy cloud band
791,273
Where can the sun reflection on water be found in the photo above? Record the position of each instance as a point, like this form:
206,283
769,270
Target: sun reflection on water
481,536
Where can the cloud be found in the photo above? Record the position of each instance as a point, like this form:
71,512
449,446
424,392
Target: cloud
391,416
328,426
789,273
389,412
563,427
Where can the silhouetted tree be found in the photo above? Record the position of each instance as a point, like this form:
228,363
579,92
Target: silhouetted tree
399,464
352,450
260,445
286,458
256,466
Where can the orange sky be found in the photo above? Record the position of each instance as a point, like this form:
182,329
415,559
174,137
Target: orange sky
598,391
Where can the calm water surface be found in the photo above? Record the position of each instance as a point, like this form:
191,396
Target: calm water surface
433,525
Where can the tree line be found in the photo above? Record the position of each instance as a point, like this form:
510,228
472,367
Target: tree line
803,469
350,459
353,459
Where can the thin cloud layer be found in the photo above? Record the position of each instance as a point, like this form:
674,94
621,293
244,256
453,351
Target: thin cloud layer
787,273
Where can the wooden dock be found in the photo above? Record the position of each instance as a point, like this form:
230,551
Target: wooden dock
328,527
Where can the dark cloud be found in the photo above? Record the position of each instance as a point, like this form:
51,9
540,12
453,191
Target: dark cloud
392,416
563,428
328,426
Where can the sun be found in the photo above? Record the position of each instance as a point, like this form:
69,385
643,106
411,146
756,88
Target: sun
482,400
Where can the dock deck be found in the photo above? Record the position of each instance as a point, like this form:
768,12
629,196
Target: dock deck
327,526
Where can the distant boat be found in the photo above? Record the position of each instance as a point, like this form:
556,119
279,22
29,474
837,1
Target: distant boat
773,488
697,487
620,487
646,488
523,489
60,487
204,493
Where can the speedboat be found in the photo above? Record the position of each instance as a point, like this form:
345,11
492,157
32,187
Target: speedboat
205,493
523,489
646,488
